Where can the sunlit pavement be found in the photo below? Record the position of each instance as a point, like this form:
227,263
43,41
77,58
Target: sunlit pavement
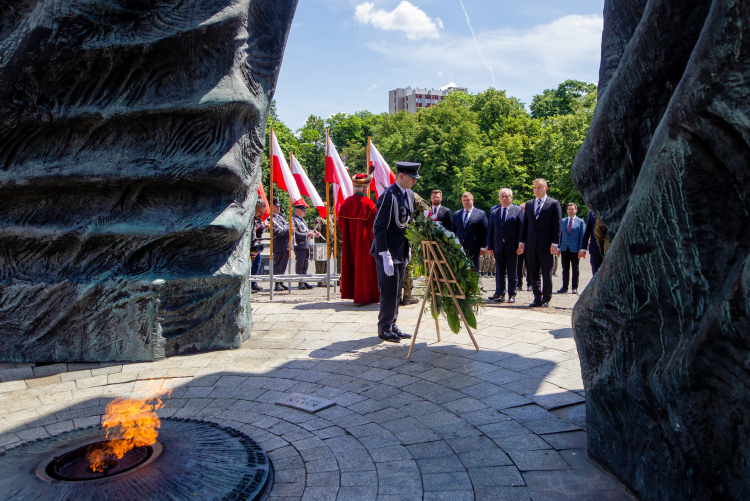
506,422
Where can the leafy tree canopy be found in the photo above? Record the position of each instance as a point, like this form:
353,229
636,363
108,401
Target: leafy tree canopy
468,142
570,97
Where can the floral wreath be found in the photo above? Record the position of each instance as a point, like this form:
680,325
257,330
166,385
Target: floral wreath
426,228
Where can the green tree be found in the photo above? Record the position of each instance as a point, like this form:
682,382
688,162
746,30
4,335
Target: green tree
570,97
561,138
311,151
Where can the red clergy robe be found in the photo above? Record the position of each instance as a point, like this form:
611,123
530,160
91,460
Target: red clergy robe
359,277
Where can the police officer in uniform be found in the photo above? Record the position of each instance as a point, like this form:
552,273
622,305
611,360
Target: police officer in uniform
391,248
301,243
280,244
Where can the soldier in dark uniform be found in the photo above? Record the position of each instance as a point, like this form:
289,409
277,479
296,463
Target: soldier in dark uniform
301,244
280,244
391,248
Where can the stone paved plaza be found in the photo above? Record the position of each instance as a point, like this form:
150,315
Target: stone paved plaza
504,423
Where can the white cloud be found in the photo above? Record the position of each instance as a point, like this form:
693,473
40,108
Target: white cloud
407,17
541,56
372,87
440,74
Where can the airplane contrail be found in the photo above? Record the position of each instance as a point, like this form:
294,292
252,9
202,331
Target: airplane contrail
477,44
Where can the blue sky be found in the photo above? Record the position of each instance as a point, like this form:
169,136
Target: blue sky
345,55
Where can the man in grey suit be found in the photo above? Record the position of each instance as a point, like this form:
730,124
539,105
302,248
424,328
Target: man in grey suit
540,238
280,244
301,243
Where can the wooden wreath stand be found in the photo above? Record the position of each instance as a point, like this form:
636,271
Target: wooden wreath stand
439,283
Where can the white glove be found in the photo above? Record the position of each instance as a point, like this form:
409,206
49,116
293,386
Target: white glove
387,263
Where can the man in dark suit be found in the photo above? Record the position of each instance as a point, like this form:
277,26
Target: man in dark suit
502,242
540,238
390,248
438,213
470,226
596,253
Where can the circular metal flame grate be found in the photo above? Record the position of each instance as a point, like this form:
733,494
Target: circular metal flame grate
74,465
191,460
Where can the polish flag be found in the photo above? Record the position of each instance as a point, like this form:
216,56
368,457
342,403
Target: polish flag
306,187
262,195
383,176
338,175
282,176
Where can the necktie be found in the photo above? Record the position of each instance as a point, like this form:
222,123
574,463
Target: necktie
466,216
538,208
505,214
570,224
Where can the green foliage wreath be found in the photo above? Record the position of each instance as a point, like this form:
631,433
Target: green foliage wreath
424,228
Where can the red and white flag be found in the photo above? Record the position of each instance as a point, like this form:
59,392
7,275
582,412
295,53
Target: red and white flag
282,176
338,175
262,195
306,187
383,176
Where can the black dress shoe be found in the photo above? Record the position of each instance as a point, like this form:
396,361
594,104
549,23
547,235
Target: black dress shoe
278,288
545,304
493,297
500,299
406,301
562,291
302,287
389,336
285,287
256,287
528,288
399,332
535,304
512,299
309,286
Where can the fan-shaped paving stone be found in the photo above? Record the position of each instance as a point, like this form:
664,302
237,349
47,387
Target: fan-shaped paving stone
451,423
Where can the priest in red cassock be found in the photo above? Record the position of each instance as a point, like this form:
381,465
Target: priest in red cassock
359,277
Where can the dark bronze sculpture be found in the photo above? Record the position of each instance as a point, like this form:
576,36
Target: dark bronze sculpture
662,330
130,140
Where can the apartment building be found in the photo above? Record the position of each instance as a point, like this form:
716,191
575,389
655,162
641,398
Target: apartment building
412,100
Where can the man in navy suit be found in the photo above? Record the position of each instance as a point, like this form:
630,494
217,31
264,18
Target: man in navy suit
540,238
504,229
470,226
438,213
594,251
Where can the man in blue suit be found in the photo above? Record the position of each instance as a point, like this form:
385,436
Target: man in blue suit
504,229
570,245
540,238
470,226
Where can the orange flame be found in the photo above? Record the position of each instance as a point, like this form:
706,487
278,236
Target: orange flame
129,424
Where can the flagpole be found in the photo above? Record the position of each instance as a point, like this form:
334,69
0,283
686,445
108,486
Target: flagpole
328,226
367,167
291,162
270,190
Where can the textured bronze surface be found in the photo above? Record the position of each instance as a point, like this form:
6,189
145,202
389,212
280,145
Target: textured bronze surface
662,329
130,143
